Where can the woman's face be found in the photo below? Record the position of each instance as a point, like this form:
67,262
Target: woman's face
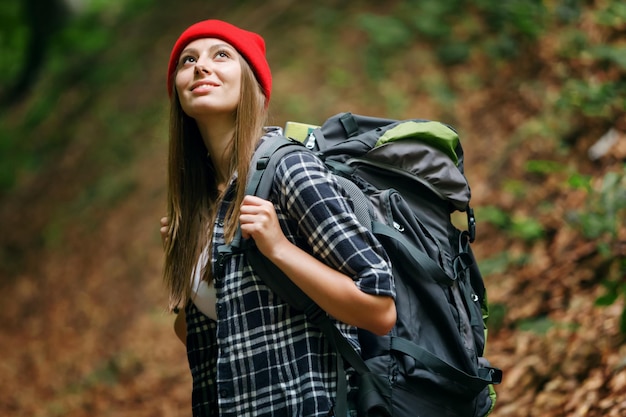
208,79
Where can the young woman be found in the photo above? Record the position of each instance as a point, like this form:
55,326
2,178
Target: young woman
249,353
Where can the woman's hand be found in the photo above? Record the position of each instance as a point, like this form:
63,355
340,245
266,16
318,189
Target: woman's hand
259,221
165,228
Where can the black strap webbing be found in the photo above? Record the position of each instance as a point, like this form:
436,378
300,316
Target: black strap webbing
475,383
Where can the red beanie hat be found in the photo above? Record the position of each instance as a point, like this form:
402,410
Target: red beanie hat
249,44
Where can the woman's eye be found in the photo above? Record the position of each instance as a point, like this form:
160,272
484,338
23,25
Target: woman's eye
221,54
187,60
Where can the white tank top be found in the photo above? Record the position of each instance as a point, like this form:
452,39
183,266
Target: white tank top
202,292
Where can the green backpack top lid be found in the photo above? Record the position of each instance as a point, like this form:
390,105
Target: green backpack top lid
433,133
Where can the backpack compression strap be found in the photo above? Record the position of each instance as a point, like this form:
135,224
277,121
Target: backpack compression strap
475,383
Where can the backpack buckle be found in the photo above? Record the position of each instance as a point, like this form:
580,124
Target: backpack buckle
262,163
471,224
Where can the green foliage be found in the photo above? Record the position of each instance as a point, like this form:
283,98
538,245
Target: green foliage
593,85
493,215
86,36
430,19
544,167
384,31
568,11
580,181
572,41
423,34
497,315
499,29
602,217
13,39
497,264
7,169
519,18
538,325
608,55
614,289
517,226
526,228
592,98
612,15
453,53
542,325
73,66
605,207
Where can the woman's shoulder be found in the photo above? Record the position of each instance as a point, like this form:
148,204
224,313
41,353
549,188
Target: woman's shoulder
298,156
300,159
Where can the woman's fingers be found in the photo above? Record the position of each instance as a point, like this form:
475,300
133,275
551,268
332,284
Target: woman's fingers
165,227
258,220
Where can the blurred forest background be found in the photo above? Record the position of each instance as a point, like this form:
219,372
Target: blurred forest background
537,90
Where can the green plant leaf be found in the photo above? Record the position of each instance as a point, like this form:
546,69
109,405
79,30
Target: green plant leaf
580,181
607,299
544,167
527,228
539,325
493,215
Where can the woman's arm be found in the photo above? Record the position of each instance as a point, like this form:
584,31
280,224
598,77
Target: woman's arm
180,326
332,290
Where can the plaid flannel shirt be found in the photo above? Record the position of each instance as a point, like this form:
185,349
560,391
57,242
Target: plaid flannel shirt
261,357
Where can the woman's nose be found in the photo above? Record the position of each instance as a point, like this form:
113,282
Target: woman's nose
201,66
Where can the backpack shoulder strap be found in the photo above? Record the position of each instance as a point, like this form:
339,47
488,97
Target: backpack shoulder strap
265,159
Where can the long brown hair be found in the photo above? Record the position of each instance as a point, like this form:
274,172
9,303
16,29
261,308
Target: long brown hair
193,196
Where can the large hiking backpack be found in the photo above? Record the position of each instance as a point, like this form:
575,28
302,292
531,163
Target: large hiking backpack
405,178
